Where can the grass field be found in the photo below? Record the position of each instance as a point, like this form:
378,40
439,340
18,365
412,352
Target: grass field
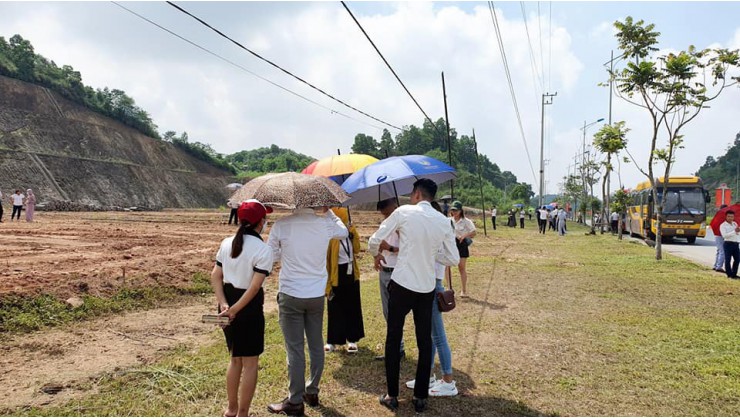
568,326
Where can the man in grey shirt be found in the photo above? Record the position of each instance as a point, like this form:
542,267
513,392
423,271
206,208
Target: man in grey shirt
425,236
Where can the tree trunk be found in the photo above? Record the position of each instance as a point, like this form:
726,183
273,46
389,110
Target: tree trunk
658,231
619,225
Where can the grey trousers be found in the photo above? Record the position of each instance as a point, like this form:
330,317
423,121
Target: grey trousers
385,278
298,316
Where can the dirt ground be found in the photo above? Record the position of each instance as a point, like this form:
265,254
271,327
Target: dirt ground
71,254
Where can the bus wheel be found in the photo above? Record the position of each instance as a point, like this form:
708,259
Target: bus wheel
691,239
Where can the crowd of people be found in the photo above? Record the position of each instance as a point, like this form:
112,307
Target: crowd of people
318,250
19,201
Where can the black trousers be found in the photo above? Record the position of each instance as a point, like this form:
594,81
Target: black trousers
400,302
16,209
521,222
345,310
543,225
493,219
731,252
1,212
232,215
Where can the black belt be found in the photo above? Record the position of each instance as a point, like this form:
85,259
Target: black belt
387,269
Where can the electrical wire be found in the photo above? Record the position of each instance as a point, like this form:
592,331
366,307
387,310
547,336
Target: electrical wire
204,23
242,67
532,60
389,66
494,19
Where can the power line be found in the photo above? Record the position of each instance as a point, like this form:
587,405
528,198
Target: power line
389,66
532,60
494,19
549,58
204,23
539,33
241,67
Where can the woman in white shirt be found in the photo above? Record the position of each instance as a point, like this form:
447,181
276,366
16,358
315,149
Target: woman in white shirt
464,230
242,263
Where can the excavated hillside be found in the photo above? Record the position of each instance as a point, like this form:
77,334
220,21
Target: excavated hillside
65,152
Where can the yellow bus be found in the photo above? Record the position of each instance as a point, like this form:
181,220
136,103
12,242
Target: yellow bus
684,213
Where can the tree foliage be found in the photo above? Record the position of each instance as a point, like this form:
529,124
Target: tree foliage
268,159
199,150
19,61
672,88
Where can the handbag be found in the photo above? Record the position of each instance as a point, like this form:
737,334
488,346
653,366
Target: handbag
468,241
446,299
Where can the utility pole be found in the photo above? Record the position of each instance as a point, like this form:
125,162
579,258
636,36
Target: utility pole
480,182
546,100
449,140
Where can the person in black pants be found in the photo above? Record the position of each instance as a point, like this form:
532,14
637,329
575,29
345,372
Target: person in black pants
1,206
232,214
731,234
493,217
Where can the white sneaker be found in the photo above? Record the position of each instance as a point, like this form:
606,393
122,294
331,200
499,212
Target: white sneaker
443,389
329,348
352,348
432,379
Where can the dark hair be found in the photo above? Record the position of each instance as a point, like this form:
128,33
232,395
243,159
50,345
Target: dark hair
238,243
730,212
462,212
427,187
385,203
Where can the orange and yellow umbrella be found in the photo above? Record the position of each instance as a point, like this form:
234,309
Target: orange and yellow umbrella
335,166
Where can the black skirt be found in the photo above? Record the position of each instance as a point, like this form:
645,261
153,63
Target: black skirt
345,310
245,336
462,248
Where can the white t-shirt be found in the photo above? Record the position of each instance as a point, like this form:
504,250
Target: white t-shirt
17,199
615,216
543,214
463,226
300,242
493,213
521,214
256,256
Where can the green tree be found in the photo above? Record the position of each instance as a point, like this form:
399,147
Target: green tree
610,140
21,52
672,89
365,145
621,201
387,146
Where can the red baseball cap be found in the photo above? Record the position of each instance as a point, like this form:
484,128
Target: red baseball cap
253,211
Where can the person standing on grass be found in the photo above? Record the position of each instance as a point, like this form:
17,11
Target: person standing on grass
17,204
542,219
242,263
614,219
493,217
299,242
389,249
719,241
561,222
344,306
30,205
464,232
521,218
425,236
444,387
731,234
1,206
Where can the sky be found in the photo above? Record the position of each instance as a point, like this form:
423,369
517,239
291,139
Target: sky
561,48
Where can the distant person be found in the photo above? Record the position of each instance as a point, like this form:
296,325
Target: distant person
731,234
1,206
242,263
512,218
30,205
521,219
17,199
445,207
389,250
344,306
299,242
464,233
614,219
719,241
425,237
529,213
542,219
493,217
232,214
561,222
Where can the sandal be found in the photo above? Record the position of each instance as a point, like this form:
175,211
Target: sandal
329,348
352,348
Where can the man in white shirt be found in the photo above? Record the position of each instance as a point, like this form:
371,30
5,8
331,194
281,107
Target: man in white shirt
300,241
17,204
731,234
425,236
614,218
493,217
521,218
542,219
389,249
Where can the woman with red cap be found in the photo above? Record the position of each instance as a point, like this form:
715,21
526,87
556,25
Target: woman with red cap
242,263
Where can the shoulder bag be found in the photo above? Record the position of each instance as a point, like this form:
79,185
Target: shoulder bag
446,299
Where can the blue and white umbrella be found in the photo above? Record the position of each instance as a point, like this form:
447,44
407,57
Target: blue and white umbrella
394,176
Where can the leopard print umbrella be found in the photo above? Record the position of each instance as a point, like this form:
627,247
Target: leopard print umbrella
290,190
